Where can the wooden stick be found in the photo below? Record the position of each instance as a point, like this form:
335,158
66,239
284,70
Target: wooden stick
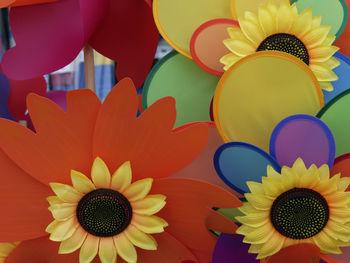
89,66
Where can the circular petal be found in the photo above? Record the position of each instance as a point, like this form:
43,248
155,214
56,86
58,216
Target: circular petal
335,115
202,168
302,136
177,20
342,166
182,79
230,248
207,47
343,73
259,91
301,253
239,7
334,13
4,94
238,162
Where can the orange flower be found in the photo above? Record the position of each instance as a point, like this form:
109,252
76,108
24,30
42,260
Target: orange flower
96,139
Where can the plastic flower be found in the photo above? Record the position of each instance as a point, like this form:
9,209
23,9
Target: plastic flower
298,205
289,207
49,36
107,170
283,29
6,249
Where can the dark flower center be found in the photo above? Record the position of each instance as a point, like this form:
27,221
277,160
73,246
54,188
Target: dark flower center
299,213
286,43
104,212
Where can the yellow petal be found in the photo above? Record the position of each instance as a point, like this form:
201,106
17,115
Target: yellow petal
107,251
327,86
250,16
81,182
339,199
6,248
62,230
332,63
343,183
244,230
89,249
100,174
148,206
316,36
138,190
284,19
271,187
247,208
149,224
340,215
255,248
252,31
53,200
259,201
260,235
324,172
271,173
329,40
338,231
271,247
125,248
322,72
74,242
303,23
299,167
267,21
121,179
140,239
255,188
316,21
326,243
240,47
254,219
66,193
63,211
228,60
236,33
322,53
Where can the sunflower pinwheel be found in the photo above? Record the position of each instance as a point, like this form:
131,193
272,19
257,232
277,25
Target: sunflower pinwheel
90,185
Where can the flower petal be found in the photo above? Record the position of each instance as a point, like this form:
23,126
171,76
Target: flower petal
107,251
125,248
66,192
140,239
63,211
239,47
149,206
81,182
62,230
89,249
100,174
121,179
316,36
322,53
74,242
138,190
149,224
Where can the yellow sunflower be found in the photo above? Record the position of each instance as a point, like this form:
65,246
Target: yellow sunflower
297,206
281,28
107,216
6,249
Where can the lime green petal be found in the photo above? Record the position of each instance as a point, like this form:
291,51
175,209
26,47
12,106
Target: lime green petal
138,190
66,193
121,179
63,211
239,47
148,206
89,249
140,239
100,174
74,242
149,224
125,248
62,230
81,182
107,251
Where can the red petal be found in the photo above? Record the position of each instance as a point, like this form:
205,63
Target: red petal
24,213
148,142
129,36
301,253
188,210
63,140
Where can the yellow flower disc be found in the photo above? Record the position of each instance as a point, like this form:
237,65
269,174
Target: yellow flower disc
177,20
257,92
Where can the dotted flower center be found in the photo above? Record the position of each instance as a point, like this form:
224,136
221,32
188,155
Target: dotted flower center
104,212
286,43
299,213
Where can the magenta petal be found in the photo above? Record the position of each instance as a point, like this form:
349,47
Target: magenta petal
231,249
128,36
48,36
59,97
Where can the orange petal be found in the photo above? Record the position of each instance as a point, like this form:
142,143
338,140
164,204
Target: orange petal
169,250
12,3
24,209
63,140
187,211
148,141
301,253
41,250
